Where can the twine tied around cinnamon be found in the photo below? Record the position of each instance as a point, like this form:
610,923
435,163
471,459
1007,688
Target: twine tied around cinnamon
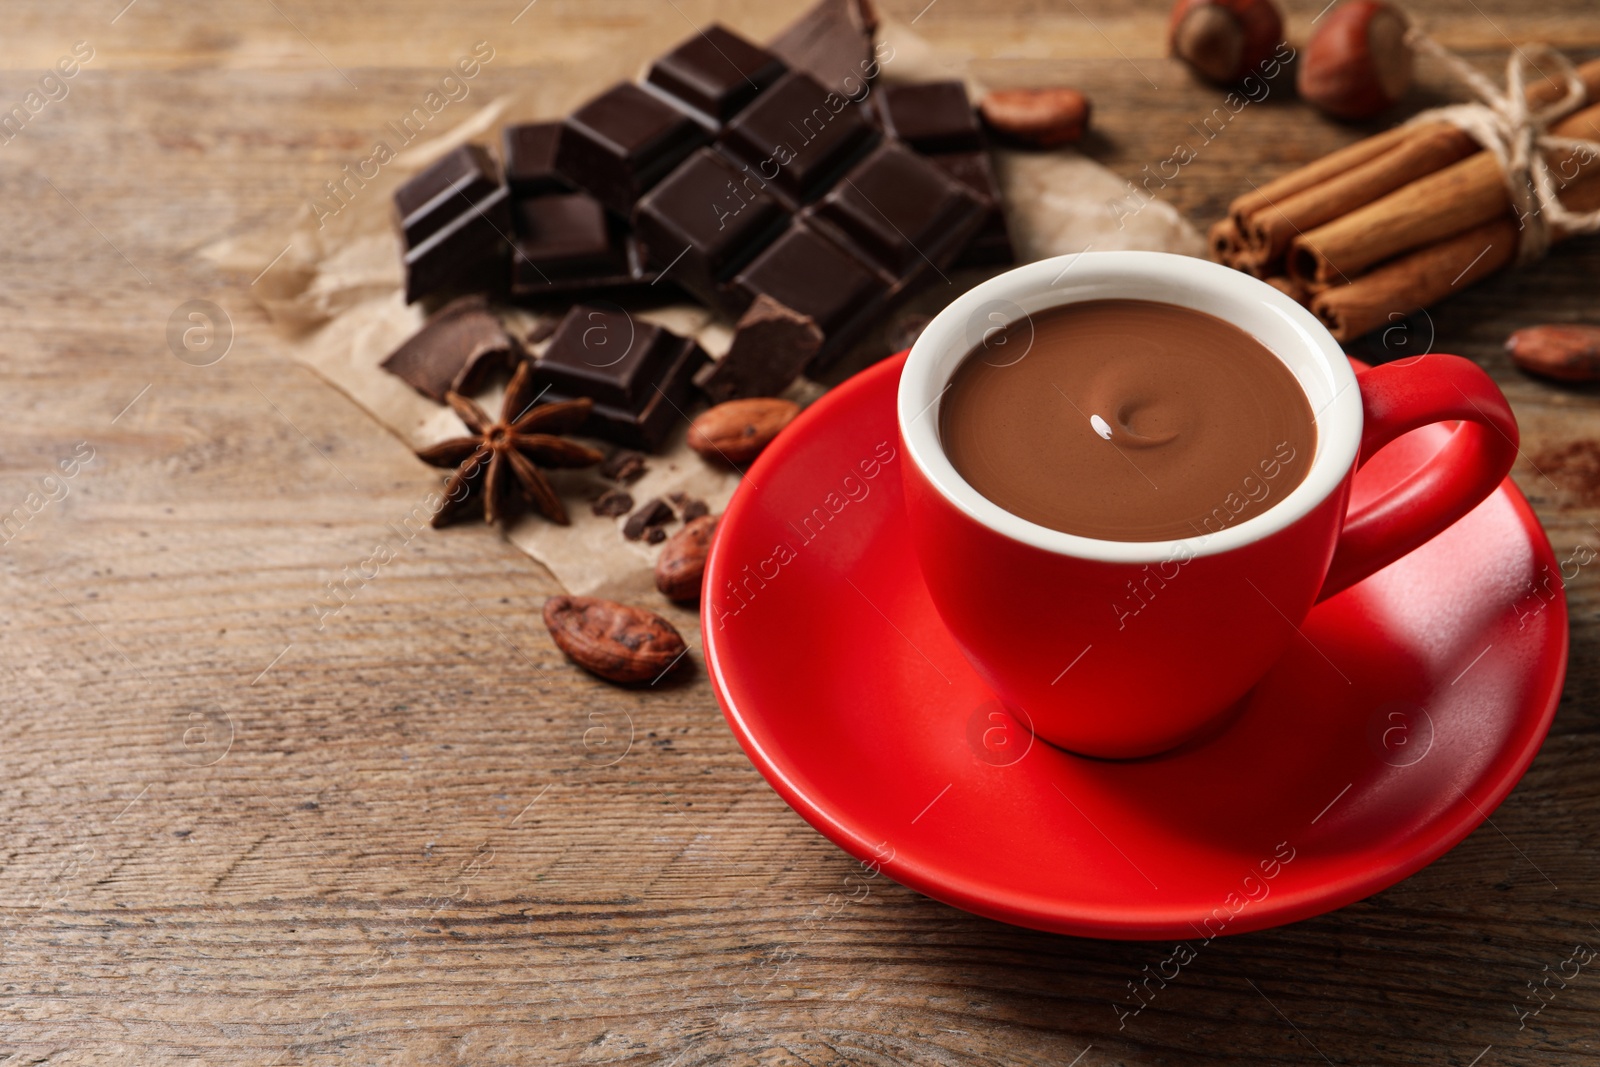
1518,136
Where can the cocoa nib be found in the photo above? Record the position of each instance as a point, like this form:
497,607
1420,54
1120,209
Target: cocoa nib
625,466
613,502
653,512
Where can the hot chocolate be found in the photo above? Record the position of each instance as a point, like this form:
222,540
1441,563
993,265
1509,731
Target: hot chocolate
1127,420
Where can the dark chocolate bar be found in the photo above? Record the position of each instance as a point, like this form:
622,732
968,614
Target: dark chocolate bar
704,221
798,137
714,73
930,116
901,210
638,374
529,151
816,277
622,142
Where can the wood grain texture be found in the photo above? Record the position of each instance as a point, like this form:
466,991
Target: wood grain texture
390,843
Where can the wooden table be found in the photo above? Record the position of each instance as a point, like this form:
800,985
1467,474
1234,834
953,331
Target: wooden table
233,836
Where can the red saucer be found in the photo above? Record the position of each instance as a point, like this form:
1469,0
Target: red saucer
1412,705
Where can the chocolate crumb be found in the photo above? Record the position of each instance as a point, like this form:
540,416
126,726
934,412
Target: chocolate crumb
693,510
652,512
678,500
625,466
613,502
656,535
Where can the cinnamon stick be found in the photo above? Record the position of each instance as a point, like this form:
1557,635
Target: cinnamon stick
1361,172
1460,197
1267,232
1318,170
1421,278
1223,239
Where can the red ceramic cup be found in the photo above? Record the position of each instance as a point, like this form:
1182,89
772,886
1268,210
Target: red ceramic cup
1128,648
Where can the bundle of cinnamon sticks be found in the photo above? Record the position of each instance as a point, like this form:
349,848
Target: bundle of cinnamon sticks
1391,224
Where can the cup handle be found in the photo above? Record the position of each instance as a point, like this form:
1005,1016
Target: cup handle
1400,397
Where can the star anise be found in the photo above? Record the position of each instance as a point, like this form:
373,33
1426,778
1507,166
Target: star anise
497,468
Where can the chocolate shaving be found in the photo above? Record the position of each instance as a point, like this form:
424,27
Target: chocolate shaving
455,351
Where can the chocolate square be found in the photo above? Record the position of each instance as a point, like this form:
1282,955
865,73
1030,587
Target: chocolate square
440,194
563,237
638,374
705,220
832,42
798,136
467,255
606,354
991,245
715,73
930,116
529,150
816,277
622,142
901,210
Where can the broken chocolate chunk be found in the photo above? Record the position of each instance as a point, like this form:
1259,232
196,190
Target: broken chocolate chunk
835,288
625,466
653,512
771,346
694,509
655,535
455,351
613,502
832,42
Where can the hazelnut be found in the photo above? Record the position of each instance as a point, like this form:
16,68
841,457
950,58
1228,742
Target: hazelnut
1223,40
1358,61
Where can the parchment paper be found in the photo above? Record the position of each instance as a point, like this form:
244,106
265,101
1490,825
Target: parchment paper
335,291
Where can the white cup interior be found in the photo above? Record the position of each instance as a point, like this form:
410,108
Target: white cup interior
1288,330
